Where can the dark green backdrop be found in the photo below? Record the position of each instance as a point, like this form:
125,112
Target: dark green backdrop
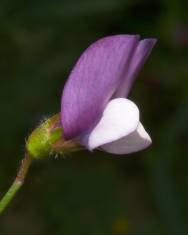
94,193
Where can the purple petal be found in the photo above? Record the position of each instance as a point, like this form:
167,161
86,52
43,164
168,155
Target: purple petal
141,54
92,82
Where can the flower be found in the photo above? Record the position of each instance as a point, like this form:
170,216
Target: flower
94,107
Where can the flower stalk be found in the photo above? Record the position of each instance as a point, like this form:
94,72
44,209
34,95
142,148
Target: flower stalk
46,139
17,184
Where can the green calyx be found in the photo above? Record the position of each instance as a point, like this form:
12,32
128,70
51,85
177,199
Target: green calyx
39,143
48,139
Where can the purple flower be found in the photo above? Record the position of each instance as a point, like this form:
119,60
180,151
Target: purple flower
94,107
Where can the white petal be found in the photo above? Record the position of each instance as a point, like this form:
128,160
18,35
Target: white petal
120,118
134,142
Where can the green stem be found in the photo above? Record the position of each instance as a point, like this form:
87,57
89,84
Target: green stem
9,195
18,182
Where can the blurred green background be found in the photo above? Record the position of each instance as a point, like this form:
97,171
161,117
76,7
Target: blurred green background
94,193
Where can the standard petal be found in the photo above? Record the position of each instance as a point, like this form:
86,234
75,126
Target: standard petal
94,79
134,142
140,56
120,118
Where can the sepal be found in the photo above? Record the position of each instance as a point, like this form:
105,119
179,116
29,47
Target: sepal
48,139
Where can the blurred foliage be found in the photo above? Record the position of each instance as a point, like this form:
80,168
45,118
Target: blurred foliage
94,193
